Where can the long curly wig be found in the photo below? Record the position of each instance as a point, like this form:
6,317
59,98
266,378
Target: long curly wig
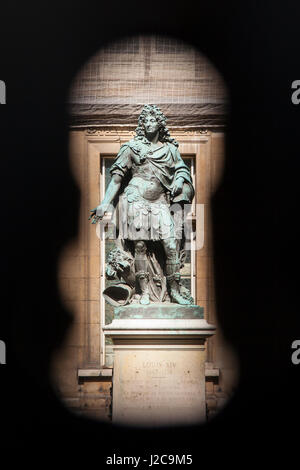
164,135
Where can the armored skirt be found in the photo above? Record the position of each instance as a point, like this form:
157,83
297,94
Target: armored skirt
144,219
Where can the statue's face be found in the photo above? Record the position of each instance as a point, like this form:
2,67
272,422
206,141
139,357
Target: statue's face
151,125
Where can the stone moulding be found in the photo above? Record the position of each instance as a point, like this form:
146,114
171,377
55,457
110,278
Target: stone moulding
152,329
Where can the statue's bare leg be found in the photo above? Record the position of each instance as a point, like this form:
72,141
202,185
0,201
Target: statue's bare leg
173,271
142,274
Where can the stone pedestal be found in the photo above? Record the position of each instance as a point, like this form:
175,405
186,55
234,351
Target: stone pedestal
159,365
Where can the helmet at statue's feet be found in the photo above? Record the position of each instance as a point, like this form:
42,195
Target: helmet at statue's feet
178,298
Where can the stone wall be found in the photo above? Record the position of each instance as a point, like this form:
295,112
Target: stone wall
119,79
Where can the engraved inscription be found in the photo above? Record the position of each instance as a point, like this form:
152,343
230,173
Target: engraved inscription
162,383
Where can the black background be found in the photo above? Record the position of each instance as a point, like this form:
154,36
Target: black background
255,45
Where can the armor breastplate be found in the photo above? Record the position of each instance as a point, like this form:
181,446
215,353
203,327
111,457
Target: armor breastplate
144,179
143,170
149,189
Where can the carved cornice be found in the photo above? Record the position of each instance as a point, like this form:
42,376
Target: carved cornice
126,116
109,132
129,131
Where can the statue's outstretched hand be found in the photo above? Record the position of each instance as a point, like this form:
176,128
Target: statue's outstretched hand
93,216
97,213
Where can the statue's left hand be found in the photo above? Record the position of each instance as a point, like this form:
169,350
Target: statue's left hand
177,188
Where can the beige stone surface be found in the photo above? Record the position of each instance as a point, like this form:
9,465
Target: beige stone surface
159,387
209,386
140,329
159,371
202,290
64,371
217,159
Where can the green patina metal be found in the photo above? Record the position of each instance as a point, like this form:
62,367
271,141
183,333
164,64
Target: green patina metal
148,177
170,311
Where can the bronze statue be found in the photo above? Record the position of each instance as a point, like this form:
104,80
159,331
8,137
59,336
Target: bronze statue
148,177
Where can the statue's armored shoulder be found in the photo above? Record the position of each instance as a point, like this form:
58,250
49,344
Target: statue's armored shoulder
174,149
134,145
124,147
171,145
